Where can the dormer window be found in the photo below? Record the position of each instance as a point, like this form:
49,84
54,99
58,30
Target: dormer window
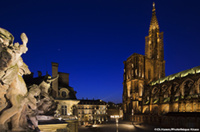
64,94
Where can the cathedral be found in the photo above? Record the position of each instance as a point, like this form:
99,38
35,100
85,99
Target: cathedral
150,96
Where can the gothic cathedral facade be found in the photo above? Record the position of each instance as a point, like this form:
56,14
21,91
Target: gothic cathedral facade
146,89
139,70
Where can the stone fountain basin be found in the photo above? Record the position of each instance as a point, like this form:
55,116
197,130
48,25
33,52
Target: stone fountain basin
50,124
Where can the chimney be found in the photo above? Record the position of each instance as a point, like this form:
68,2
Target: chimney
54,83
39,73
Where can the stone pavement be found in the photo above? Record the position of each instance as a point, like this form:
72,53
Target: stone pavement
123,126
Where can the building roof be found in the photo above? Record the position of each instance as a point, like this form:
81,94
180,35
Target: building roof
133,55
181,74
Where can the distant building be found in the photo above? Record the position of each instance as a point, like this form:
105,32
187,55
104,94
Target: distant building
148,95
114,110
92,111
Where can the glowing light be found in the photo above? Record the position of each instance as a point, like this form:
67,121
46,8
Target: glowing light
153,4
115,116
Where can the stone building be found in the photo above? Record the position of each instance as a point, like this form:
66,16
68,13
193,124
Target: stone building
147,94
60,91
64,94
114,110
92,111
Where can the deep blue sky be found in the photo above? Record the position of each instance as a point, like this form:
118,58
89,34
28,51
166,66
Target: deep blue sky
90,39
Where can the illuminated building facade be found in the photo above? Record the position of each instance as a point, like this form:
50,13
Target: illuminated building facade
92,111
64,94
114,110
147,94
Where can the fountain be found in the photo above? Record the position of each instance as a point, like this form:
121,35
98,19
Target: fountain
22,107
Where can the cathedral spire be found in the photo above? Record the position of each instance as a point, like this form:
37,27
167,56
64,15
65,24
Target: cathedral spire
154,22
154,41
154,9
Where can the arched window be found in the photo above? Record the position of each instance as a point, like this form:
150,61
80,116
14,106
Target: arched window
64,94
64,110
140,90
149,74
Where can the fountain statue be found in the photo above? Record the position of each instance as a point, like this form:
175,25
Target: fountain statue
20,105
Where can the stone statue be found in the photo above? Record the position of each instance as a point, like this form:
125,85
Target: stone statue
29,119
47,104
12,86
19,106
34,91
38,102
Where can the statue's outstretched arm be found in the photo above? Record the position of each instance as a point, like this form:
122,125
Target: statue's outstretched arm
23,47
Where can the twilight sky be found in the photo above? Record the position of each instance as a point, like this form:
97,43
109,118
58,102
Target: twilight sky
90,39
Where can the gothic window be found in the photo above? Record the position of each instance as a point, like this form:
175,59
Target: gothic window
149,74
132,72
136,72
140,90
64,110
187,88
194,108
140,71
176,90
129,91
165,91
155,90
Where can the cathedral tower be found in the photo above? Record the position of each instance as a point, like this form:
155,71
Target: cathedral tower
139,70
154,51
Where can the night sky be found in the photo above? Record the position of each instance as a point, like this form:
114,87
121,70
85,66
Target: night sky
90,39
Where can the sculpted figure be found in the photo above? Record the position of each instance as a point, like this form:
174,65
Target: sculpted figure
46,105
31,107
12,85
17,105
